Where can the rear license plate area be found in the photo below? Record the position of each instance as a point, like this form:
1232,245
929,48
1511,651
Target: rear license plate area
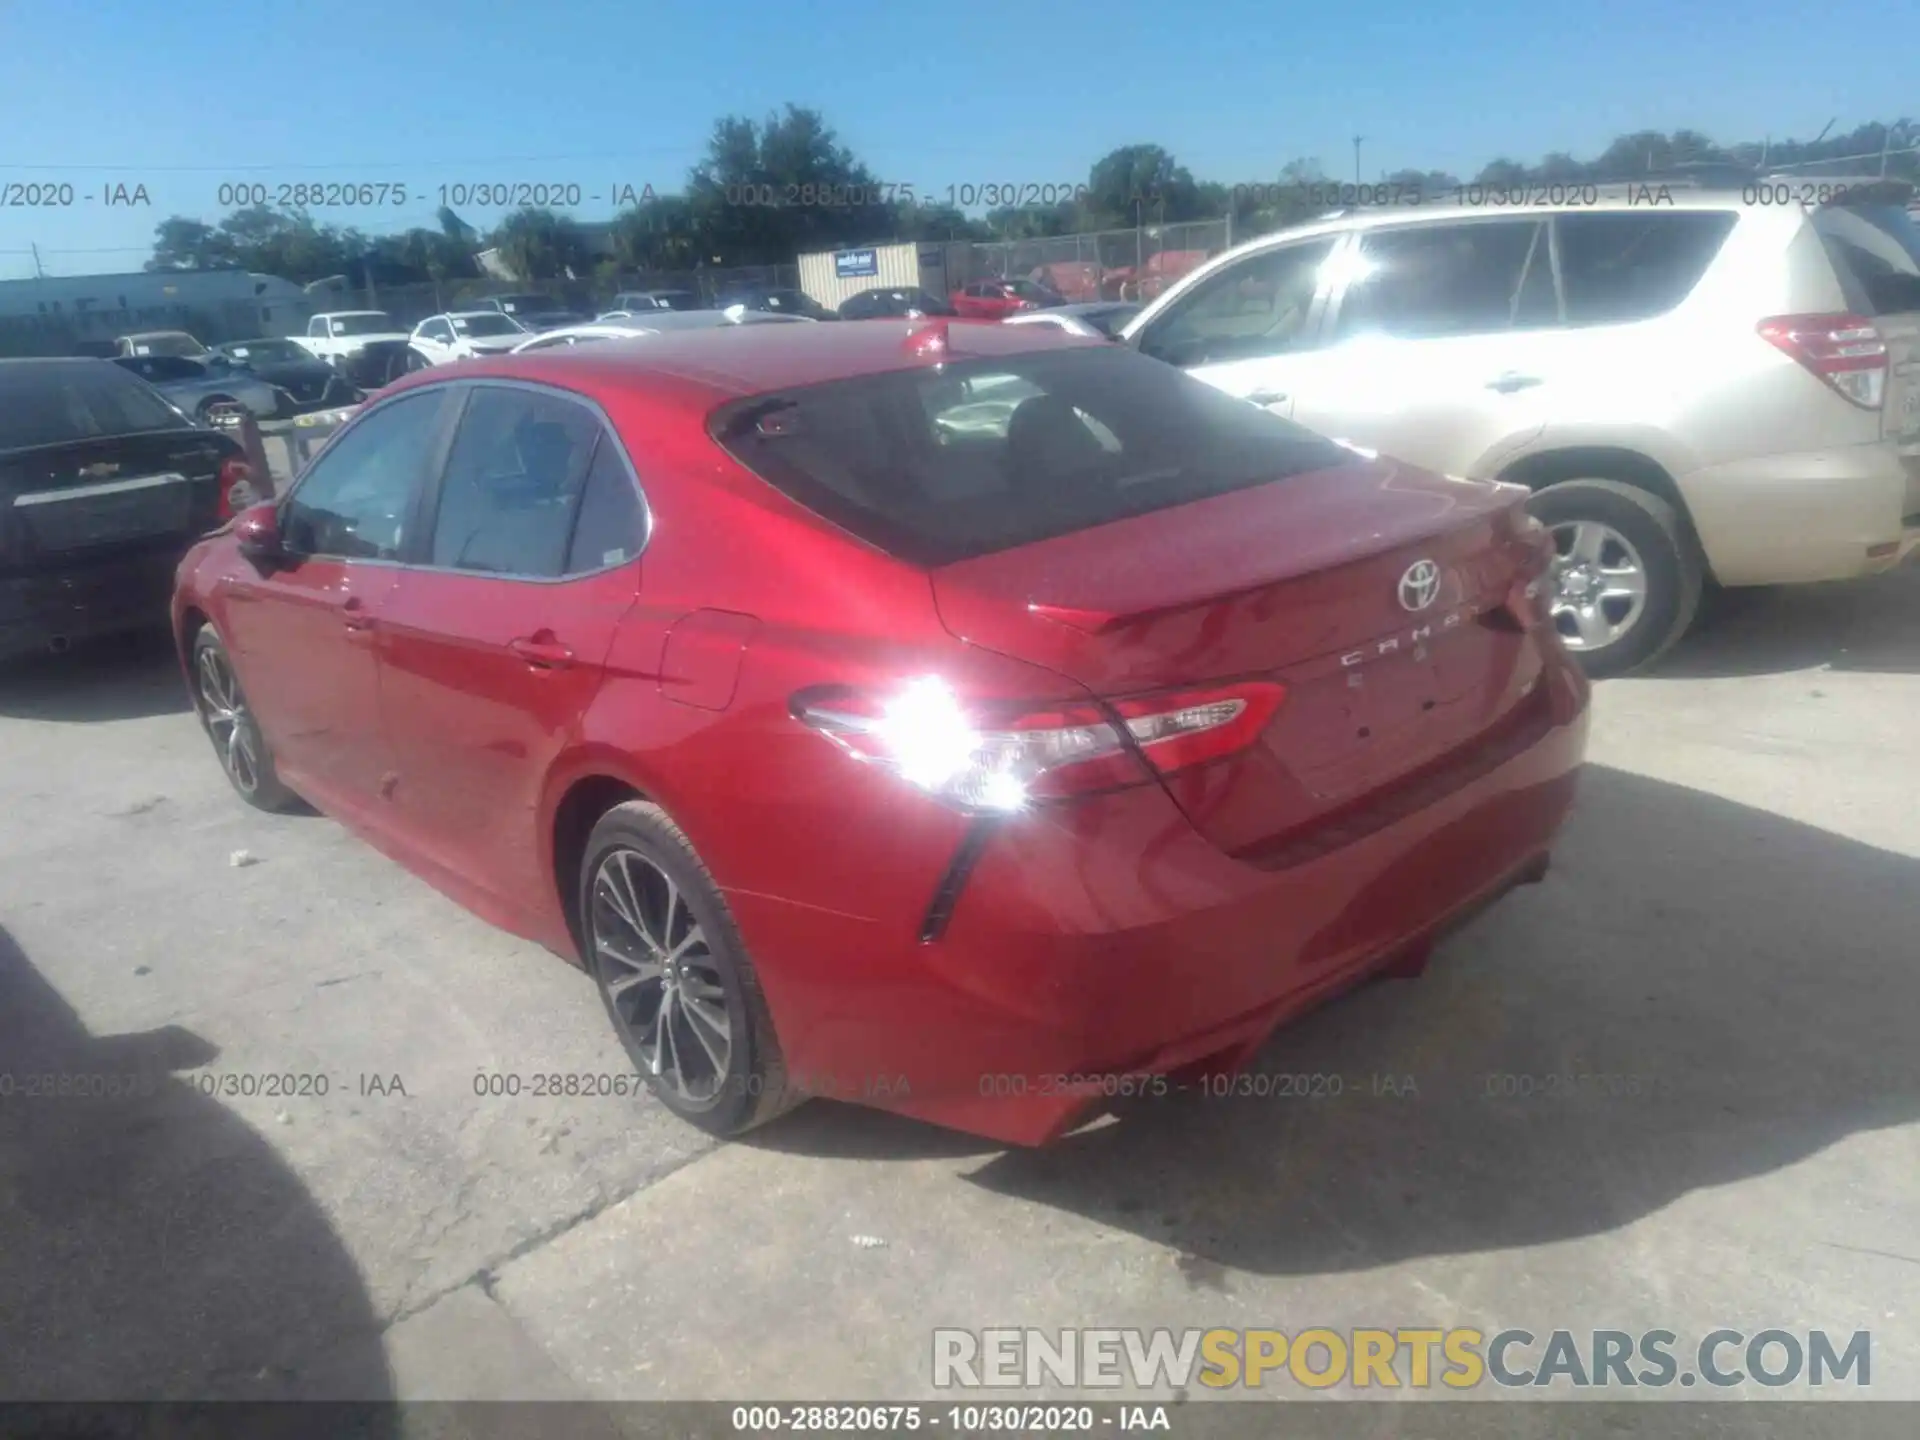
78,522
1367,722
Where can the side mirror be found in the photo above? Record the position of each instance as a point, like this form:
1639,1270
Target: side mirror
256,531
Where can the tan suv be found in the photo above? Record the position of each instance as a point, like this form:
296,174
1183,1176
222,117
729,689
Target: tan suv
1697,384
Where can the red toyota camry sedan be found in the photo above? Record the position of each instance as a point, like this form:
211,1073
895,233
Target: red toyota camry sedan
964,719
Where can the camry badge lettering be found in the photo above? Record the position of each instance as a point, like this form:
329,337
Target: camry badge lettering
1416,638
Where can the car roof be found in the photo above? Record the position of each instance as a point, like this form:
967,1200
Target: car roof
706,367
1649,197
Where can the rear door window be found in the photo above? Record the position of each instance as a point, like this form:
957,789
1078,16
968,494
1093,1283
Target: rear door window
1619,266
611,523
50,403
1876,250
512,480
941,464
1428,281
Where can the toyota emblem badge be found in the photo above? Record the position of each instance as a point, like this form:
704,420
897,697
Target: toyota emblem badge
1420,585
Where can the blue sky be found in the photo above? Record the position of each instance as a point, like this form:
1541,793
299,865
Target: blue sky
181,95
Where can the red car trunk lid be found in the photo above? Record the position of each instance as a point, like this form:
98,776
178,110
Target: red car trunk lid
1378,594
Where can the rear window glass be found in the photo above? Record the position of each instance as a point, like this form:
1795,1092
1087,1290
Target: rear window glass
945,463
1876,249
49,404
1616,267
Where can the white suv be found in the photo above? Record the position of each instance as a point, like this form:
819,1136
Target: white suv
1697,385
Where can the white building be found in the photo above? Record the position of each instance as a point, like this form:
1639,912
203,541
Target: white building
831,276
45,315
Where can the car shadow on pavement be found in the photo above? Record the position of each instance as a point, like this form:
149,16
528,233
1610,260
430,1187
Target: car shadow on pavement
1699,992
1870,625
155,1247
118,677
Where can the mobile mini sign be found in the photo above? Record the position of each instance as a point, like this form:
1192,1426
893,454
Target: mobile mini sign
852,264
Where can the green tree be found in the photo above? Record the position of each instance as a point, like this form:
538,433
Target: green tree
1141,184
658,234
183,244
769,190
538,244
1502,173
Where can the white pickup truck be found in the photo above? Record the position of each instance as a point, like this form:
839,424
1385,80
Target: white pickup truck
367,345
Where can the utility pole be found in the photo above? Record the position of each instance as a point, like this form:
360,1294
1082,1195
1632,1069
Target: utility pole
1356,157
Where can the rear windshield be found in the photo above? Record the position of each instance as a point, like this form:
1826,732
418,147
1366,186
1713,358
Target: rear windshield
51,404
1876,250
943,464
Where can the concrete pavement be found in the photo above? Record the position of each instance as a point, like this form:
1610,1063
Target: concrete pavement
1731,923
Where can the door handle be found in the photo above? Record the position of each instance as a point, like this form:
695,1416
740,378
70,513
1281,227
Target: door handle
353,614
542,654
1511,381
1267,397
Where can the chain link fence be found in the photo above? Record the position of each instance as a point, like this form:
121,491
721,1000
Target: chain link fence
411,303
1105,265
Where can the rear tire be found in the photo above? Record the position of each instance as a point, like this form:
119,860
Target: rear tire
238,742
674,975
1627,576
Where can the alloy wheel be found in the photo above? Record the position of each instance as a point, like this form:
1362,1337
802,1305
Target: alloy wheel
1599,584
661,978
227,720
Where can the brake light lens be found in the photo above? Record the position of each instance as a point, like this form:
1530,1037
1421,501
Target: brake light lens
236,487
1001,759
1846,351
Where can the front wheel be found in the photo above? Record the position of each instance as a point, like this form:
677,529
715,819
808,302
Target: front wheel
1626,576
674,975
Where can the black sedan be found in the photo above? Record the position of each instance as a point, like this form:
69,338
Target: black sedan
103,486
313,384
892,302
774,302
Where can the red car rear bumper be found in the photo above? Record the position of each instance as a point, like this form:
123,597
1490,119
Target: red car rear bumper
1111,939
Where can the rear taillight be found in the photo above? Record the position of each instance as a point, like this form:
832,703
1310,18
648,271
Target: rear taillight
1843,350
236,486
1003,758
